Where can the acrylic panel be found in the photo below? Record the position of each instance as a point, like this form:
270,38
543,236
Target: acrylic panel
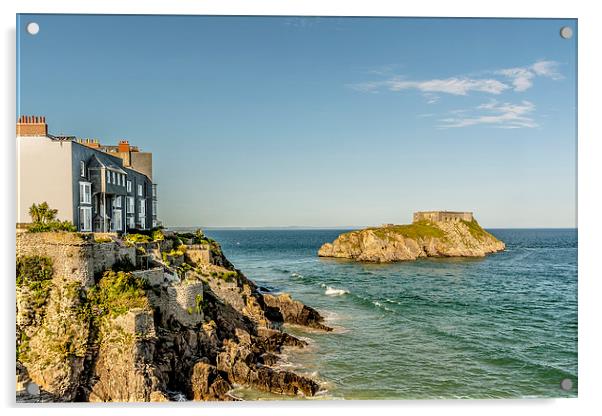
309,208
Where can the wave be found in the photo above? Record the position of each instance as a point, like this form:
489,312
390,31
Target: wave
295,274
331,291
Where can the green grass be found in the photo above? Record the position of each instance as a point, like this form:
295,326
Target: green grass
475,229
116,293
416,230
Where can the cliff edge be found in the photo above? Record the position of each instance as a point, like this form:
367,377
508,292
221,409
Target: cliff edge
392,243
155,317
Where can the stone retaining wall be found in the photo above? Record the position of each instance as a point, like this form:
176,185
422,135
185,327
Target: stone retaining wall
74,256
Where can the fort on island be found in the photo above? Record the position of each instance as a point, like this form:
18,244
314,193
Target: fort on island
439,216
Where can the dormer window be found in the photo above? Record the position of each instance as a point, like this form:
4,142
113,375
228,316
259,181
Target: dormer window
82,169
108,177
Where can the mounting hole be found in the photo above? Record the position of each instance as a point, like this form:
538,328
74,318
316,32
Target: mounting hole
566,384
33,28
566,32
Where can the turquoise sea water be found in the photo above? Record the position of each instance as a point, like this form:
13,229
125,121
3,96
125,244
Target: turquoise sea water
504,326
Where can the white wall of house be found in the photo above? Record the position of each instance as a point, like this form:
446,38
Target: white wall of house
44,173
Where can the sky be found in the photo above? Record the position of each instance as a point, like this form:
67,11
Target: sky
320,122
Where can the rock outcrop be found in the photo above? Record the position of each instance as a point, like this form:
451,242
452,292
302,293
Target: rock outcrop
295,312
184,324
409,242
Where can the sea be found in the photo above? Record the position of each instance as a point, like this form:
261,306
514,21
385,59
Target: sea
503,326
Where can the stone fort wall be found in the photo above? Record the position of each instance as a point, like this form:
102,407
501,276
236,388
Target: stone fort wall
73,256
442,216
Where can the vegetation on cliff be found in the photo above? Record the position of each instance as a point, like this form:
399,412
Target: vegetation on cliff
35,273
116,293
44,219
146,327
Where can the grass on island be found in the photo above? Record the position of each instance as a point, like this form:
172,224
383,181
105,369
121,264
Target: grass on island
415,230
476,230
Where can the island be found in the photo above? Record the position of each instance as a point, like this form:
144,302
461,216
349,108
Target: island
431,234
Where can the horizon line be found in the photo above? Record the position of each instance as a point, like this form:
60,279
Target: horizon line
339,227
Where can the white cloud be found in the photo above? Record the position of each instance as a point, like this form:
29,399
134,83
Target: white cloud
522,77
495,114
454,86
547,69
430,97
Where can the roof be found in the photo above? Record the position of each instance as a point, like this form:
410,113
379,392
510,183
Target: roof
95,161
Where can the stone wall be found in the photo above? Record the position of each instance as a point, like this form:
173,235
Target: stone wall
105,255
180,302
198,254
74,256
438,216
70,253
137,322
154,277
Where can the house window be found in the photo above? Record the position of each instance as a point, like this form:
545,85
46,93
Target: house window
85,218
142,222
130,204
85,193
82,168
142,210
140,190
129,187
131,223
114,179
117,202
116,220
119,179
108,177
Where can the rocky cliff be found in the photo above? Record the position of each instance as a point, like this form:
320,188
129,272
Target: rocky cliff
146,319
409,242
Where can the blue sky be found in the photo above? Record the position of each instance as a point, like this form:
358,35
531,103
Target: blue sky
280,121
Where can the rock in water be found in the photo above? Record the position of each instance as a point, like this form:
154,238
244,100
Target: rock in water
295,312
392,243
207,383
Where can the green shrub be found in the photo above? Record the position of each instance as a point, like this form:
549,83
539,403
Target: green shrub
158,235
44,219
137,238
38,227
198,300
116,293
102,239
35,273
198,237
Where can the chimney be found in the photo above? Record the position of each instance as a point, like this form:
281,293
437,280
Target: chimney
32,126
123,146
